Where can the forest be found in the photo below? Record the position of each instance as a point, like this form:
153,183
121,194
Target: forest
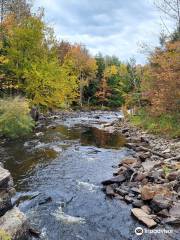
39,71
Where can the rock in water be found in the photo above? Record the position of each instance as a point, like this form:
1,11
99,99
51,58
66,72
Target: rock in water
110,191
143,217
4,177
15,224
118,179
5,202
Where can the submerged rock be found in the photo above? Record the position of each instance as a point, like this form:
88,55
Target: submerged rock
46,200
67,219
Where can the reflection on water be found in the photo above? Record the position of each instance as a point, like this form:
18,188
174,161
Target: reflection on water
89,136
102,139
23,158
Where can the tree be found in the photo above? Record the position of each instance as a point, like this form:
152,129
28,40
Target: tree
171,8
62,50
3,6
163,85
19,8
33,63
84,66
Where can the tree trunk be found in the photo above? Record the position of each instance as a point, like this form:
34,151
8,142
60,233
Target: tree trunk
81,91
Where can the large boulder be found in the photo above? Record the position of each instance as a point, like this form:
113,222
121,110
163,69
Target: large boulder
160,202
5,202
144,217
4,177
149,191
15,224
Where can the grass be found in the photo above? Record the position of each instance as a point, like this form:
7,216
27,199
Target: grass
165,124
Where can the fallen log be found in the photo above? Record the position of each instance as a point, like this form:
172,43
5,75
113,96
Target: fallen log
173,158
152,151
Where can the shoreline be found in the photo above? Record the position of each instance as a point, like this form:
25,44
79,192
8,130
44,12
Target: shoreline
150,178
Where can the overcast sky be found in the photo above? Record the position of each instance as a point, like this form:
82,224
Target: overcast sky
114,27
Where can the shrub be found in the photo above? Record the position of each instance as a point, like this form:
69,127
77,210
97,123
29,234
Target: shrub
4,235
164,124
15,120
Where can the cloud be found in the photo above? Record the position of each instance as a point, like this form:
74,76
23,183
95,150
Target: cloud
112,27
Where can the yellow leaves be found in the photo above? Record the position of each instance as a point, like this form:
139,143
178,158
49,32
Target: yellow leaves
110,71
123,70
3,60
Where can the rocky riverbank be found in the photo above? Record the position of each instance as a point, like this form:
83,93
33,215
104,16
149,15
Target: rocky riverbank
13,223
150,178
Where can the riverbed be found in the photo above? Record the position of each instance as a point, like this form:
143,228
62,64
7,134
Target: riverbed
58,172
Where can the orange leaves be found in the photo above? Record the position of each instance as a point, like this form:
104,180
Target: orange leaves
164,77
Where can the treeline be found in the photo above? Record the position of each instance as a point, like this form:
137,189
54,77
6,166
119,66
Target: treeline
55,74
52,74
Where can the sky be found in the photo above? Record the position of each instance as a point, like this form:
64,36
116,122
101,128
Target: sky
112,27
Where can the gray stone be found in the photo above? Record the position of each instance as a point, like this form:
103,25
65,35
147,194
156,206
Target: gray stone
118,197
160,202
146,209
121,192
5,202
135,190
144,156
148,165
118,179
137,203
110,191
128,199
173,175
4,177
174,213
15,224
163,213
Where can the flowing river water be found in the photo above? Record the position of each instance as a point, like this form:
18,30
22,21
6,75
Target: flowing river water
58,173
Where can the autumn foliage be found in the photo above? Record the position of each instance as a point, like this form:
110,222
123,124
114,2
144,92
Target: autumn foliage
163,87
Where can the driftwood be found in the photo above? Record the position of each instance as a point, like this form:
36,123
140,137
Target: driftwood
152,151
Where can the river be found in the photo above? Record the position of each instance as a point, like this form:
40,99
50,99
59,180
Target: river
58,174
